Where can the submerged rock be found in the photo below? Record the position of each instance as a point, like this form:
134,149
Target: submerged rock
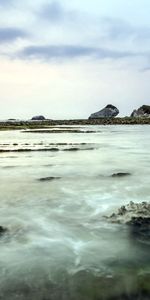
143,111
137,215
49,178
2,230
120,174
110,111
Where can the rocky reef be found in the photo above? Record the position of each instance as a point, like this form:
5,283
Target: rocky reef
143,111
110,111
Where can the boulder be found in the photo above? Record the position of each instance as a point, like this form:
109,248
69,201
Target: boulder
110,111
143,111
38,118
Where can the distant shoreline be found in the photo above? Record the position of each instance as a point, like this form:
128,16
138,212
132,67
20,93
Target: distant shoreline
18,125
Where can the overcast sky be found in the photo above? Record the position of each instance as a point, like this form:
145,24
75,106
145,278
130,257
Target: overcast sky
70,58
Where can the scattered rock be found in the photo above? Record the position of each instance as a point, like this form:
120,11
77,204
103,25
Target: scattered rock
120,174
110,111
38,118
143,111
49,178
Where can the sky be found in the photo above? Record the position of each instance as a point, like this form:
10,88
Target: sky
66,59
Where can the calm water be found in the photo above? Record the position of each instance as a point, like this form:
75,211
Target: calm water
58,245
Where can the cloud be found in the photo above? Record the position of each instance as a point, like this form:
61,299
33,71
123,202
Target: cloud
64,52
5,2
115,28
56,13
52,12
11,34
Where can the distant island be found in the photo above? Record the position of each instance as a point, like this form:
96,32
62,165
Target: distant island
106,116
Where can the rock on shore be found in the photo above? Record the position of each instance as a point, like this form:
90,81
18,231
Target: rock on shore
110,111
143,111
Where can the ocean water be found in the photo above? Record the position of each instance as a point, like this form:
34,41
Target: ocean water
58,245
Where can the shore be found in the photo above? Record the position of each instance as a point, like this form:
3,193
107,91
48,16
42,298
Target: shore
17,125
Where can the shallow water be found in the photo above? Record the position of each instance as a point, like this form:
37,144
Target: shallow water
58,244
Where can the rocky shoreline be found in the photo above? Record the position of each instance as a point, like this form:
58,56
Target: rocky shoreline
18,125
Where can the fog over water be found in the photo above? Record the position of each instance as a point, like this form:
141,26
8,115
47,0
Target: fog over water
58,244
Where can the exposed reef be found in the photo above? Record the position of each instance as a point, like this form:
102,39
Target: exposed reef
49,124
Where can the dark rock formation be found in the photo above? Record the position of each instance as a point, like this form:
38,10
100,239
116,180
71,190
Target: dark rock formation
38,118
2,230
109,111
143,111
136,215
49,178
120,174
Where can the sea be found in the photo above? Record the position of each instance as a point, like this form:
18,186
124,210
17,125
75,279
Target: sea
56,189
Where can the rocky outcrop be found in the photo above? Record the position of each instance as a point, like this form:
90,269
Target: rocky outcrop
136,215
110,111
143,111
38,118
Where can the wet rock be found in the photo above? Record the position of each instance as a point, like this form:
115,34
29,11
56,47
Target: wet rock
38,118
110,111
51,178
3,230
143,111
136,215
121,174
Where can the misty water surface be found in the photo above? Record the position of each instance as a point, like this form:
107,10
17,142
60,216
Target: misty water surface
58,244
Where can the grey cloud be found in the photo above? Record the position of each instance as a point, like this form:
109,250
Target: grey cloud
55,12
115,28
5,2
11,34
54,52
52,12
